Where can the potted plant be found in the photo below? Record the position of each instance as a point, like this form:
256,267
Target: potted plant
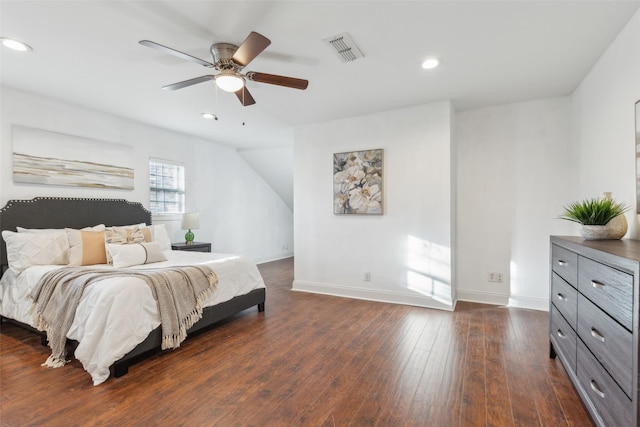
596,217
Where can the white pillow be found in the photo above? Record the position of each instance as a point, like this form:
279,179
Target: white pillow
159,234
50,231
124,235
99,227
135,254
39,230
142,224
28,249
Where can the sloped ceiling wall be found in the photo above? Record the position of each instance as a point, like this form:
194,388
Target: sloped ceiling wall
275,166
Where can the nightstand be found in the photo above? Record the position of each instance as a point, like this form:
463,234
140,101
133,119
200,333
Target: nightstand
195,247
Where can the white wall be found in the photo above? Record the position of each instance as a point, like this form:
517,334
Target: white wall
514,167
604,122
239,212
408,249
505,179
275,165
516,170
518,164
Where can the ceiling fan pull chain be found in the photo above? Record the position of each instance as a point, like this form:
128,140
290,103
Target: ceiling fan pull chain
243,113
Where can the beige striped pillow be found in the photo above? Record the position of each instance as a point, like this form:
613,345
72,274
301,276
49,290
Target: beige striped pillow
86,247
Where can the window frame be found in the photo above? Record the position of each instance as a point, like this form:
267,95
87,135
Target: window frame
181,191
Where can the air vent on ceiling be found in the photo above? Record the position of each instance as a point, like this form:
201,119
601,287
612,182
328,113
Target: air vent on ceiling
344,47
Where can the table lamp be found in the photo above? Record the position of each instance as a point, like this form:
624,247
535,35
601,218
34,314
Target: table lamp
190,221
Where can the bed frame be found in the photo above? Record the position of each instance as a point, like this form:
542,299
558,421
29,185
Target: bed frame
57,212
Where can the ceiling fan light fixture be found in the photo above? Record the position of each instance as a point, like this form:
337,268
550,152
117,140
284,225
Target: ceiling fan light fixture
229,81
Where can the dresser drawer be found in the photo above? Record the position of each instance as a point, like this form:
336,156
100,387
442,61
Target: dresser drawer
608,341
613,406
608,288
565,298
563,337
565,264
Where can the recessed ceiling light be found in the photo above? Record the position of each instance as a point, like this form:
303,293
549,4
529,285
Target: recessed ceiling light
430,63
209,116
15,44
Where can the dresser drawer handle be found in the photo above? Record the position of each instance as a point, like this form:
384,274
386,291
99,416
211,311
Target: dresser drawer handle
561,297
596,334
594,387
562,263
561,334
597,284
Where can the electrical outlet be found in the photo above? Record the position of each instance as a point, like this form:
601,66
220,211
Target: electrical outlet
496,277
367,276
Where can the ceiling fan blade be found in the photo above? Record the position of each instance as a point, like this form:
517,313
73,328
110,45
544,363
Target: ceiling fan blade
189,82
251,47
273,79
174,52
245,97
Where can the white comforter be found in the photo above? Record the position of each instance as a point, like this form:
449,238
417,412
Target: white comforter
115,315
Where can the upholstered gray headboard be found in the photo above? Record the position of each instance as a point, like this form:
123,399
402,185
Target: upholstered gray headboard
61,212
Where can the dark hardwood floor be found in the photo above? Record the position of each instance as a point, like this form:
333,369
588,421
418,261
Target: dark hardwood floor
313,360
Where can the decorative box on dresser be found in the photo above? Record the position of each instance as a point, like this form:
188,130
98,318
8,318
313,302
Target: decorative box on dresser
593,326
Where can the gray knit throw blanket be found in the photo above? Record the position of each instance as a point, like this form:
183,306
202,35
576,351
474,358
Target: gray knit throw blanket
178,291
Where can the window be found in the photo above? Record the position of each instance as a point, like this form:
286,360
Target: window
166,187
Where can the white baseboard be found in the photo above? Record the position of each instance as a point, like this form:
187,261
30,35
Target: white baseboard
541,304
482,297
273,258
503,299
371,295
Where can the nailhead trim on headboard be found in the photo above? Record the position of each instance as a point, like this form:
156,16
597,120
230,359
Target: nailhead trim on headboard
53,212
35,199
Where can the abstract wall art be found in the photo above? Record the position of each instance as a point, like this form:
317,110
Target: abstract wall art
51,158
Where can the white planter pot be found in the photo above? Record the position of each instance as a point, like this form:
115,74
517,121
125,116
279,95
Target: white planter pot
594,232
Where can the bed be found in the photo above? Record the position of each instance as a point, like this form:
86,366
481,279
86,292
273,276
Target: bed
102,352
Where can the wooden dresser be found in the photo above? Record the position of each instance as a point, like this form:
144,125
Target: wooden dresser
593,325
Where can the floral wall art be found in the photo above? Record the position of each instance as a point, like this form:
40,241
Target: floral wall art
357,182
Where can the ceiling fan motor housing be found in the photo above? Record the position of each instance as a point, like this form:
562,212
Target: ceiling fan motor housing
222,54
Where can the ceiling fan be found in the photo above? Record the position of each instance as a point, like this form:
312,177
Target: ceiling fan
229,60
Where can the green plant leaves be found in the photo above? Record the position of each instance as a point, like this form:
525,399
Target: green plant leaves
593,211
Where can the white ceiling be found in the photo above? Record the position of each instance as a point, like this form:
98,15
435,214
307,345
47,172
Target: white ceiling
492,52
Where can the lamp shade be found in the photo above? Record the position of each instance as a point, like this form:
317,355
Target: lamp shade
190,221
